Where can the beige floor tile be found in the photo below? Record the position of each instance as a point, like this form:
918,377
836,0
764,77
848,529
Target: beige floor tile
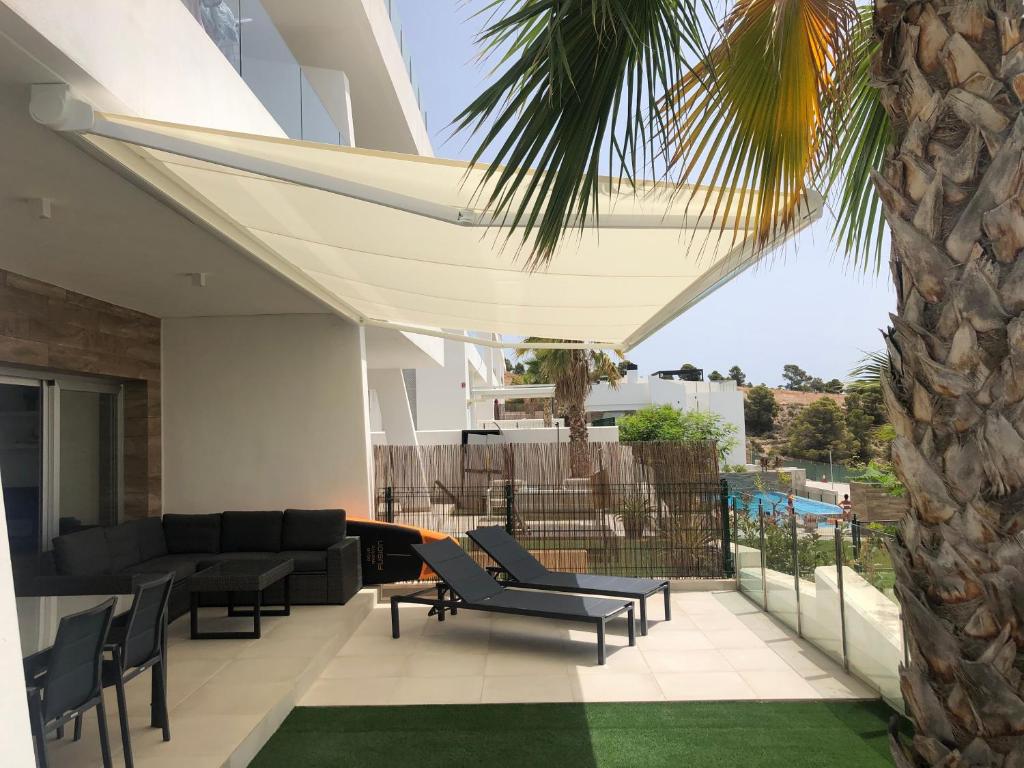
704,686
687,661
527,689
764,659
739,637
452,664
242,671
215,698
711,622
347,692
766,628
618,686
807,660
425,690
466,639
618,660
378,646
553,661
194,734
778,684
365,667
679,622
841,686
681,640
285,646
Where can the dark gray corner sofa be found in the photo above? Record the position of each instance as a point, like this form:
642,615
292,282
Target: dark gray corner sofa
107,560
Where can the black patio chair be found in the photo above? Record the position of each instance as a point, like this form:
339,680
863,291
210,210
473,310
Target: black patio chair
64,681
524,571
473,589
136,643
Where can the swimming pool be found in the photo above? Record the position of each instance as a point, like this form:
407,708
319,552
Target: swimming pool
776,501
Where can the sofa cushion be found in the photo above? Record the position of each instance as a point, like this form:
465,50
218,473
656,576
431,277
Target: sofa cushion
312,529
122,546
188,534
182,566
250,532
308,560
150,535
83,553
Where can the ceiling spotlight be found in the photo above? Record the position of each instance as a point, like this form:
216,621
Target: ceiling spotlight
42,207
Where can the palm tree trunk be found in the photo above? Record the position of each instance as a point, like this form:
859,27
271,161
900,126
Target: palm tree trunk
579,453
951,76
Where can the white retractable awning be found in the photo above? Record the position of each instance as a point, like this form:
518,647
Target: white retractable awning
401,241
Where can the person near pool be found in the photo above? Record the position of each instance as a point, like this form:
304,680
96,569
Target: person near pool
846,506
791,504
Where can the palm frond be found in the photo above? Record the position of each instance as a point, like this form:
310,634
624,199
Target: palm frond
871,368
864,132
576,79
754,113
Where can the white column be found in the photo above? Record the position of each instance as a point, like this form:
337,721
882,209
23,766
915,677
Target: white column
396,416
15,734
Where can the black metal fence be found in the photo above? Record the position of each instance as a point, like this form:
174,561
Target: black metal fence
647,529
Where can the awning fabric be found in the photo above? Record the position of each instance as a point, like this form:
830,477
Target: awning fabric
402,240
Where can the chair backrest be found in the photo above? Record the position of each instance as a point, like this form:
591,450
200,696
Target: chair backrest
76,660
144,625
508,553
468,580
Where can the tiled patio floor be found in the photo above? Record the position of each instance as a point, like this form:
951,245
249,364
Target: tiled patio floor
717,646
226,697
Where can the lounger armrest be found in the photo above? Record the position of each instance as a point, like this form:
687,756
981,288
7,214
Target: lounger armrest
344,570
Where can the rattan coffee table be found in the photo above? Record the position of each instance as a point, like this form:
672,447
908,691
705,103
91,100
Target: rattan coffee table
241,576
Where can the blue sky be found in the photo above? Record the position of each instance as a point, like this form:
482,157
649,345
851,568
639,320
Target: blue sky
805,305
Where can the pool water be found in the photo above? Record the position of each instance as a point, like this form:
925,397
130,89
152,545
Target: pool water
776,501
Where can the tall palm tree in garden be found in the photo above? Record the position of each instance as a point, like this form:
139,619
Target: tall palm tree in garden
573,372
907,113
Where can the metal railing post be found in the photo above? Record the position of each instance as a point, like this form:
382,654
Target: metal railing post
842,600
389,504
509,512
764,565
727,561
855,532
796,576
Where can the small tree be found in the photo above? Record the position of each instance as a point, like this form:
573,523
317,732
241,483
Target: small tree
817,429
796,378
760,410
833,387
715,376
668,424
736,374
688,367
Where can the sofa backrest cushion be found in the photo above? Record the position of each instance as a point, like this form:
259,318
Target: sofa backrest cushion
250,532
149,533
122,546
192,534
82,553
309,529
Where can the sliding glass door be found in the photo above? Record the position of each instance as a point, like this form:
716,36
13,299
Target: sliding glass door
21,461
60,457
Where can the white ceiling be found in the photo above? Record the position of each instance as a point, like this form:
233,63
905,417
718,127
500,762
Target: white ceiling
108,238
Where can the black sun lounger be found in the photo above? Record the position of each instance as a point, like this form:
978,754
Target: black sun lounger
526,572
473,589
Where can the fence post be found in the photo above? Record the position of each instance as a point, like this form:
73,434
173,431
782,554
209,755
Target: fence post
509,511
764,564
796,575
389,504
839,583
727,562
855,531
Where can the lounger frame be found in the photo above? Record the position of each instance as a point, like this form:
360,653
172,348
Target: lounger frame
445,600
632,594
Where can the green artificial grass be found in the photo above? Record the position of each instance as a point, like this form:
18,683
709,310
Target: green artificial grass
699,734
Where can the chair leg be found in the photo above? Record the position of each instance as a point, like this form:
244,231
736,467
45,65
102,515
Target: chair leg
668,603
78,728
395,630
38,731
60,731
160,679
122,715
632,626
600,642
643,616
101,714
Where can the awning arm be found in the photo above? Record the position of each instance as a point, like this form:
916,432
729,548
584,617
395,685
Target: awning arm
53,105
496,344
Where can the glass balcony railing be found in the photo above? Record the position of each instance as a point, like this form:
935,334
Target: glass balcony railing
831,581
396,23
246,35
